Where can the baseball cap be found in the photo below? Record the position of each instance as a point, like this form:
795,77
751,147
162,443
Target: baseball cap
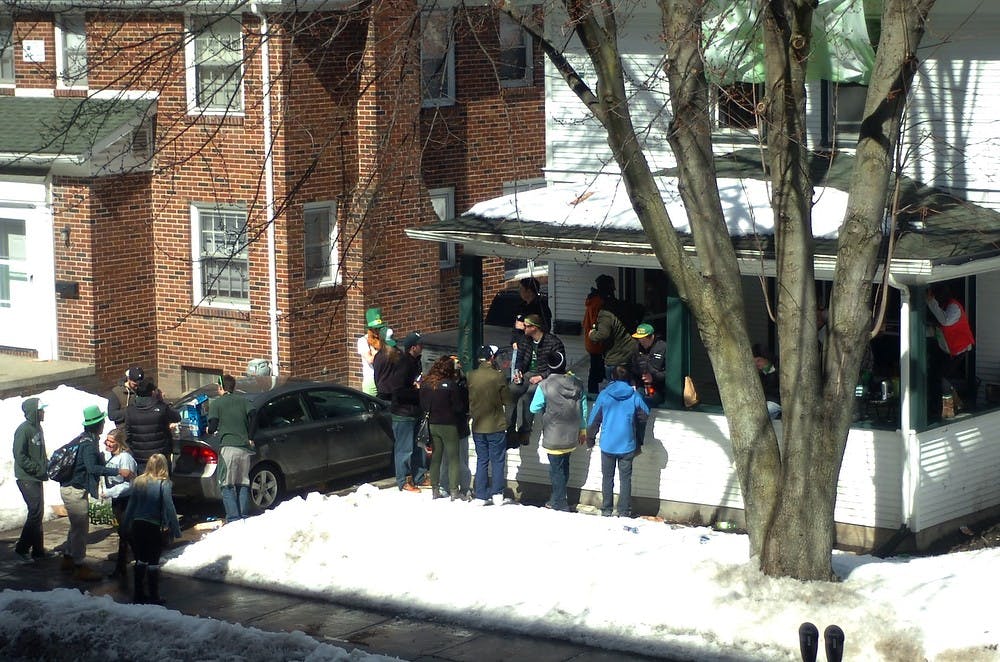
411,339
387,338
643,331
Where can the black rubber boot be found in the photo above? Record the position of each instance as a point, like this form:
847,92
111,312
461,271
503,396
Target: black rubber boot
154,585
139,594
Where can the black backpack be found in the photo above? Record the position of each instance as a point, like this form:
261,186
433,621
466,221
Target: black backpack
63,462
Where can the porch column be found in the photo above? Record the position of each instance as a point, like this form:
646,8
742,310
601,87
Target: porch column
470,309
917,357
678,327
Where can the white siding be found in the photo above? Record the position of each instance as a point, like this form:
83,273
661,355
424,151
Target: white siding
987,324
952,118
959,464
688,458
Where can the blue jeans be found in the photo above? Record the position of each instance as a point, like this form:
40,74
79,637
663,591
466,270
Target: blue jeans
623,461
405,432
559,477
236,501
491,456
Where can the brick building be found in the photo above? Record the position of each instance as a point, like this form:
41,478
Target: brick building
189,191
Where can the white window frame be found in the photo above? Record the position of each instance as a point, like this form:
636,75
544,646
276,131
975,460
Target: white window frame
199,255
505,28
717,119
331,244
193,28
443,200
70,26
7,72
843,132
447,96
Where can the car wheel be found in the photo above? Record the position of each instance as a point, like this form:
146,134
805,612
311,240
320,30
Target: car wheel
266,486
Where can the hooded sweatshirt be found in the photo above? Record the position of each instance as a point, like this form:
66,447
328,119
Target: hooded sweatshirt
562,399
30,459
614,414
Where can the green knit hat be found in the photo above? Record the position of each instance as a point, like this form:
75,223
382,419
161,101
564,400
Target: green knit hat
373,317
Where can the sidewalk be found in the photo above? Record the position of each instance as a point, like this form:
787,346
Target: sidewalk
347,627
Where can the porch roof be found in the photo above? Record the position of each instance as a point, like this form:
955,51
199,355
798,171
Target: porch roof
938,235
42,129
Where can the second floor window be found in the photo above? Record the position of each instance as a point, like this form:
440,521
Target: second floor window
215,64
220,256
437,59
71,50
443,200
6,51
322,264
514,63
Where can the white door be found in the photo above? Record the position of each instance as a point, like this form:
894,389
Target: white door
16,329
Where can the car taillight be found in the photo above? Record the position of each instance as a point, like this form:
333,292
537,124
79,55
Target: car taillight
201,454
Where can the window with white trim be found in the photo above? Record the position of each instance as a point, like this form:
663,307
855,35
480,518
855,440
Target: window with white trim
736,106
514,64
443,200
215,64
845,109
321,240
6,51
437,59
71,51
514,266
220,263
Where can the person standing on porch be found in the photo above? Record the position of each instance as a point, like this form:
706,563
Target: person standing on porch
604,290
954,336
615,413
611,330
564,426
649,364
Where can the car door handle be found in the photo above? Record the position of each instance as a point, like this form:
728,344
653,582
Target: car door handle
335,428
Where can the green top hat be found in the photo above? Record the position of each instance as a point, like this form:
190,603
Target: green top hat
92,414
373,316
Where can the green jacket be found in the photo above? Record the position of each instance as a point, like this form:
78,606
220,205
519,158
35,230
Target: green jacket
488,394
30,458
610,330
232,413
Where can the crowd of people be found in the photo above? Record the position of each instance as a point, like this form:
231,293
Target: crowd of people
498,407
132,474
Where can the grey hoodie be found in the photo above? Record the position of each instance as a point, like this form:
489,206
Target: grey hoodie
30,459
564,417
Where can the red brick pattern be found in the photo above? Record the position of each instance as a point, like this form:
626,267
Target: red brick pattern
347,128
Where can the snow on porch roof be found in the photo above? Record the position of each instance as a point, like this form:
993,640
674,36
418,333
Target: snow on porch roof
934,229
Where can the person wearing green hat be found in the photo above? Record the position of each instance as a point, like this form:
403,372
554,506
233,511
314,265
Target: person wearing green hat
649,365
368,346
87,471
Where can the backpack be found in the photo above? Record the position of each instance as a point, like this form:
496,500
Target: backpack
63,462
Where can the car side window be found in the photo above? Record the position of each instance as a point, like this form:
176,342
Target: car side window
330,403
281,412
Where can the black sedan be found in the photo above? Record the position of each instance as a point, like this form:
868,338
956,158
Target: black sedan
305,434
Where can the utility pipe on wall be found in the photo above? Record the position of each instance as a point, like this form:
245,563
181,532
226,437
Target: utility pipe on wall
272,275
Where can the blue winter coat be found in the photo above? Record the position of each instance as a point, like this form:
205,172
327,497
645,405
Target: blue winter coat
614,414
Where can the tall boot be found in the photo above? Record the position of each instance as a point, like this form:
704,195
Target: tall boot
121,563
139,594
154,585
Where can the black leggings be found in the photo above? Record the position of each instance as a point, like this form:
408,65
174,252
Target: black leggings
147,542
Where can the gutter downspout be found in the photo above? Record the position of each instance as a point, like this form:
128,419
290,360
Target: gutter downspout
272,275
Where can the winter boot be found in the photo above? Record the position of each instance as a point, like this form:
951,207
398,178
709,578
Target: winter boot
459,495
139,596
154,585
436,493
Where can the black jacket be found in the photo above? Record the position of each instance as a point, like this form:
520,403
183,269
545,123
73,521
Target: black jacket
394,380
653,361
448,404
547,348
119,398
539,306
147,423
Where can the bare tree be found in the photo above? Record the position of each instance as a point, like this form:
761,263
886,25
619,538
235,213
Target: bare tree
789,492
